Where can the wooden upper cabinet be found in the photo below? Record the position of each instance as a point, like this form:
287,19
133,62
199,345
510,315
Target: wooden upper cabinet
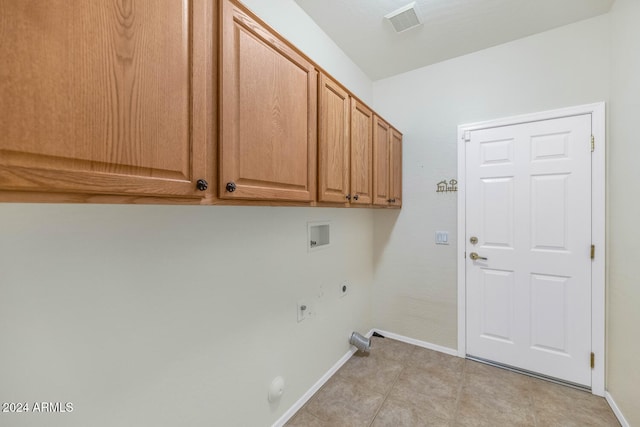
395,162
268,126
333,142
387,164
106,97
381,142
361,152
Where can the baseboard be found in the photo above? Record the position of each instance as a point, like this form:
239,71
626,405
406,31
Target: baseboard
300,403
616,410
418,343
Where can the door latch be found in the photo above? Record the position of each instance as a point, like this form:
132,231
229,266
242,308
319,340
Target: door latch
474,256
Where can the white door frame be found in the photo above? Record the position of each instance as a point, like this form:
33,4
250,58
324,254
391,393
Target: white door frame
597,112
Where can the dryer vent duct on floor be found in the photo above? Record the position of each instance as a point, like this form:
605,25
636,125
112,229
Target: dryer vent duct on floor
360,342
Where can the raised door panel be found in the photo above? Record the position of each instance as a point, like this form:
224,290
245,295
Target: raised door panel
268,107
104,97
381,140
395,165
333,142
361,153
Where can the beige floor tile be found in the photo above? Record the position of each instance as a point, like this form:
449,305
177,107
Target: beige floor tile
479,409
545,391
428,388
399,413
495,382
304,419
557,405
344,403
423,357
389,349
571,418
433,389
371,373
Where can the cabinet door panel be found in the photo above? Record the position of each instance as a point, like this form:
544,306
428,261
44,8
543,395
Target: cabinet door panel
381,140
268,127
333,142
361,156
395,163
95,97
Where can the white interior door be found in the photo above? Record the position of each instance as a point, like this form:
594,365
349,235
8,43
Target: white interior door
528,203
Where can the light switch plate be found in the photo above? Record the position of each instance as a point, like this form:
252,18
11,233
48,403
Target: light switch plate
442,237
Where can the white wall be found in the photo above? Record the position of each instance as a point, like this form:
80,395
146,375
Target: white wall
286,17
173,315
179,315
415,280
624,210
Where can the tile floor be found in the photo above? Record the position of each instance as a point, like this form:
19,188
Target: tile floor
399,384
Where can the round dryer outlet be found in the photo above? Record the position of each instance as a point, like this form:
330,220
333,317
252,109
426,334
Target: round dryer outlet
276,389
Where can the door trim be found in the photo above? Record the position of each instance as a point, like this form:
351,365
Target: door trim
598,186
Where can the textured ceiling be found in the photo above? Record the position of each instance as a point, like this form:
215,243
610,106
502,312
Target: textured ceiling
451,27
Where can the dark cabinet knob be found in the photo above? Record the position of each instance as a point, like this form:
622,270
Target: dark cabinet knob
355,197
231,187
202,184
348,196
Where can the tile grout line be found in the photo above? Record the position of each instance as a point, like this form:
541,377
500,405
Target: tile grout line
533,402
404,366
386,397
452,422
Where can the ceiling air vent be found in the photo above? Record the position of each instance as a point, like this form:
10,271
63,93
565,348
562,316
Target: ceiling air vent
404,18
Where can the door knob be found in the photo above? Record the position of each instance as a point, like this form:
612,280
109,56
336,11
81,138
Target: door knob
474,256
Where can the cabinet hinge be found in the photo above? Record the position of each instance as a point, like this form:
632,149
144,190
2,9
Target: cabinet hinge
467,136
593,143
593,360
593,251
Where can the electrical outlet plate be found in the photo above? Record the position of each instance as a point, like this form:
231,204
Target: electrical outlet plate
344,288
304,311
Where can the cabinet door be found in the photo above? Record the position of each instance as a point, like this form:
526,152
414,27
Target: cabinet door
395,162
361,156
333,142
104,97
268,127
381,140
